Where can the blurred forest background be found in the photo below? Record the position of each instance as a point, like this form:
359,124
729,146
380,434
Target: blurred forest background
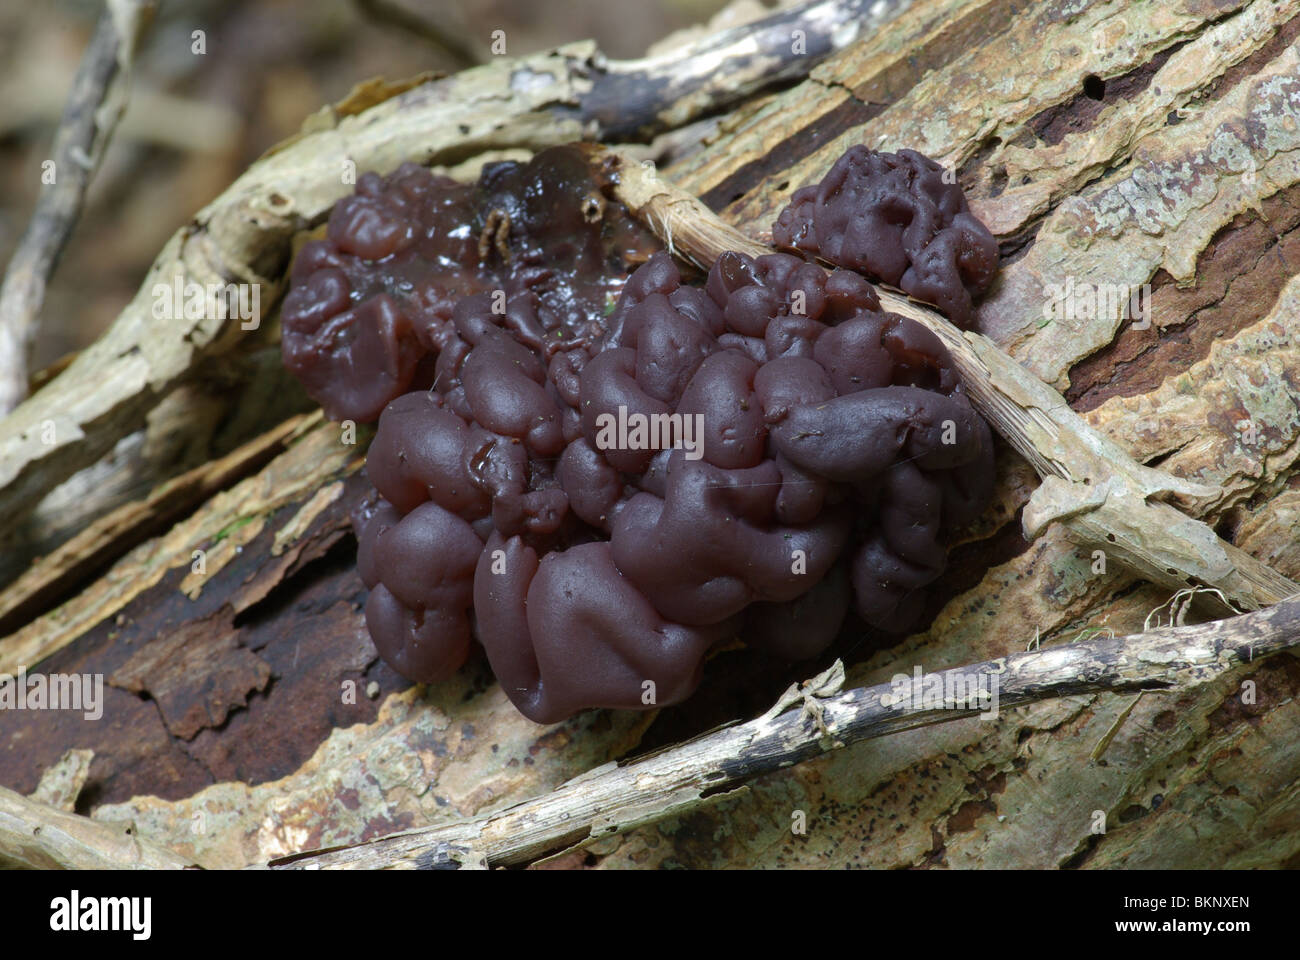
194,123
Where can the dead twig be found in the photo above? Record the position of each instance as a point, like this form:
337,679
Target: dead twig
452,42
37,836
94,106
634,99
617,797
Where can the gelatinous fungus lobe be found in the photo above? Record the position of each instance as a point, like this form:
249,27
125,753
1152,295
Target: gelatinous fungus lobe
898,217
369,311
600,499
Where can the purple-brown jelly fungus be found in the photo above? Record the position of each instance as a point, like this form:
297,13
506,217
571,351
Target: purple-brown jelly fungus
753,457
370,304
900,218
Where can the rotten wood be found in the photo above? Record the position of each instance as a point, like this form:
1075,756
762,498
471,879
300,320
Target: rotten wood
220,528
117,532
620,797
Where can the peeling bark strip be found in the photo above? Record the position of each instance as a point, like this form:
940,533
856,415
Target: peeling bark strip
616,798
245,235
119,530
315,457
205,655
1083,142
981,90
1243,390
1183,184
1089,483
840,95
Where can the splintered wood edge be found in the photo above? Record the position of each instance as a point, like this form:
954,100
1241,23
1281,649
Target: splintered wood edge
165,502
1104,497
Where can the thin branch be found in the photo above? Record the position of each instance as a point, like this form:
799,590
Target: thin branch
634,99
617,797
462,50
37,836
1105,498
94,106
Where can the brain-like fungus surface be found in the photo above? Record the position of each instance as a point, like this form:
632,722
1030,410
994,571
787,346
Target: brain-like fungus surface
600,499
898,217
